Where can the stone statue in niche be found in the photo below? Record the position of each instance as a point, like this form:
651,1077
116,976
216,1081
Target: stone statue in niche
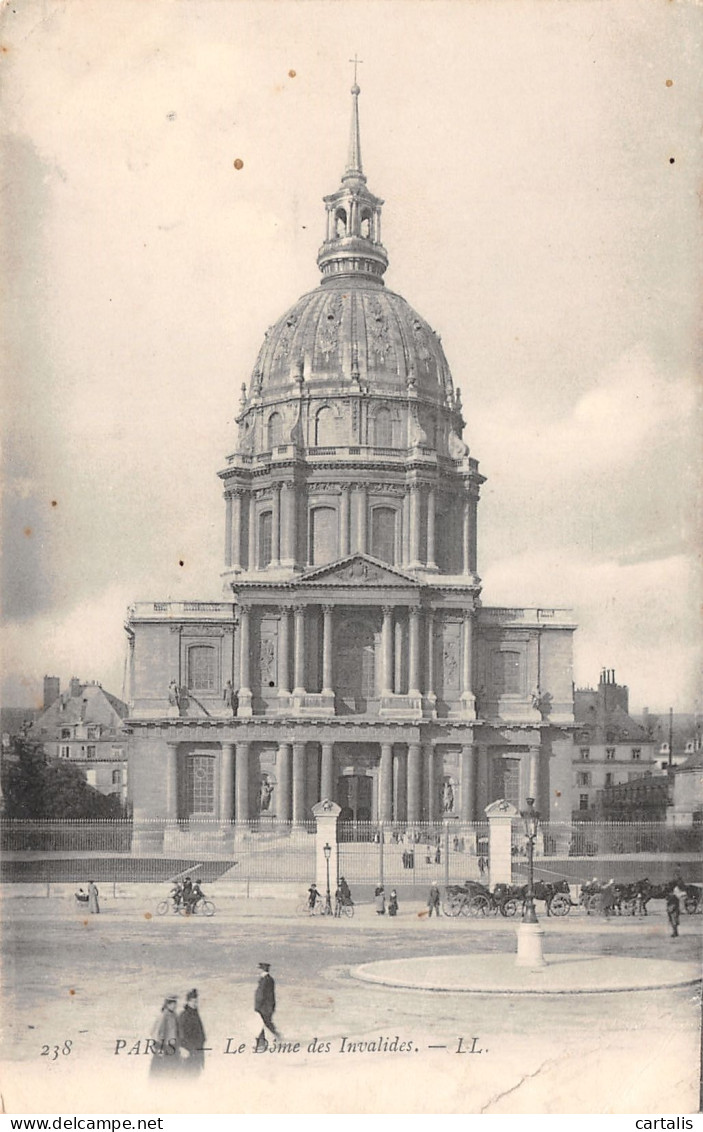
447,797
450,664
267,663
542,702
265,793
457,448
228,696
173,694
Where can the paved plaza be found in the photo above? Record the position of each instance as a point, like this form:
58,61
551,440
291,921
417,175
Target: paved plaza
349,1045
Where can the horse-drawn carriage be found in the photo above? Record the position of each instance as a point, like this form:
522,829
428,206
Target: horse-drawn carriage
474,899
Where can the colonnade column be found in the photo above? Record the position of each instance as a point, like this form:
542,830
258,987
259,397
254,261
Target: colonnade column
252,531
387,650
467,651
414,782
398,649
400,787
430,806
467,808
287,509
344,521
405,549
241,801
226,782
533,777
414,648
429,667
327,634
228,529
172,781
360,520
415,524
244,702
473,533
276,526
284,793
327,772
431,510
299,652
235,549
299,776
386,783
283,652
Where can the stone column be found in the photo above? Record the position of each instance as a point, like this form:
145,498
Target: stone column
299,777
288,554
431,511
533,780
299,665
327,630
344,520
414,650
398,657
252,532
228,529
241,803
386,783
283,804
387,650
414,782
284,652
226,783
244,699
473,533
415,524
276,526
172,781
429,667
406,528
327,772
235,558
400,787
360,520
430,806
467,696
467,810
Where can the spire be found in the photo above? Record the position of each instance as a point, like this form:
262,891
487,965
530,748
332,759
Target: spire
354,170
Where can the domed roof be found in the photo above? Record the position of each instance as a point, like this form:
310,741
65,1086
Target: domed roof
352,329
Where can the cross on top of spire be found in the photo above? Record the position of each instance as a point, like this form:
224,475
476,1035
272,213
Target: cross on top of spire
356,62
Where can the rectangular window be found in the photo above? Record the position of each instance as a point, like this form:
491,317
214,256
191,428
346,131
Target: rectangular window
116,777
610,752
65,732
609,778
90,752
636,752
583,801
585,752
65,752
201,784
202,668
92,733
91,777
583,778
506,673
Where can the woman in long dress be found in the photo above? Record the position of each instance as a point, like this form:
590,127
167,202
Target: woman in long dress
166,1052
93,905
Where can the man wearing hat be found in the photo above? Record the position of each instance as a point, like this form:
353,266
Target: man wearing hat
192,1034
264,1006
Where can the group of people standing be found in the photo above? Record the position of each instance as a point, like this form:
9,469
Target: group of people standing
380,901
179,1038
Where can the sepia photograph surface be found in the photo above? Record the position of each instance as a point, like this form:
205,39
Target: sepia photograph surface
351,703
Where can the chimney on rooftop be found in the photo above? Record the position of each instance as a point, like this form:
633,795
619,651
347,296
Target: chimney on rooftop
74,687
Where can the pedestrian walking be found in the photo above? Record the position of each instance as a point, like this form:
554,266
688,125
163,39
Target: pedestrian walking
191,1035
433,900
313,897
264,1006
380,900
673,913
93,905
165,1052
393,903
481,866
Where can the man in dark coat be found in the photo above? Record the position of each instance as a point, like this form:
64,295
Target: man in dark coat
191,1035
264,1006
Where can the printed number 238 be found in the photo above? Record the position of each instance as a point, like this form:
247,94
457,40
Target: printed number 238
52,1052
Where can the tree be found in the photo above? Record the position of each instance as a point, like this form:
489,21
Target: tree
35,787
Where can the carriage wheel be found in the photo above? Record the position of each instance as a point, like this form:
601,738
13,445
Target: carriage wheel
509,907
559,905
691,905
348,910
453,906
479,906
629,906
162,908
207,908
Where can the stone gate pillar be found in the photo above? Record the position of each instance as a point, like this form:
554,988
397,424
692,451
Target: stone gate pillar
326,814
500,816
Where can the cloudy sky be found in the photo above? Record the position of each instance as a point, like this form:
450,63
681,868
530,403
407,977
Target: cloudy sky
539,161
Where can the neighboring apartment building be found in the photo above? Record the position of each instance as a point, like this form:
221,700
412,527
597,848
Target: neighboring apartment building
85,726
610,747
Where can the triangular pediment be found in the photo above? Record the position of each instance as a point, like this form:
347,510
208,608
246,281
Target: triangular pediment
359,570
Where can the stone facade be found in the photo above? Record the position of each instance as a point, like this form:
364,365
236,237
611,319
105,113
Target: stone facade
351,658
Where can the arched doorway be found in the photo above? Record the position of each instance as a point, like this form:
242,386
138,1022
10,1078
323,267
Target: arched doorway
354,795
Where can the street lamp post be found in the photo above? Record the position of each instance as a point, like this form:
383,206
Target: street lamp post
530,818
327,850
530,934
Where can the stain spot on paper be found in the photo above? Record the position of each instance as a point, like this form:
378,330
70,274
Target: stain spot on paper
238,163
291,74
669,82
28,532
